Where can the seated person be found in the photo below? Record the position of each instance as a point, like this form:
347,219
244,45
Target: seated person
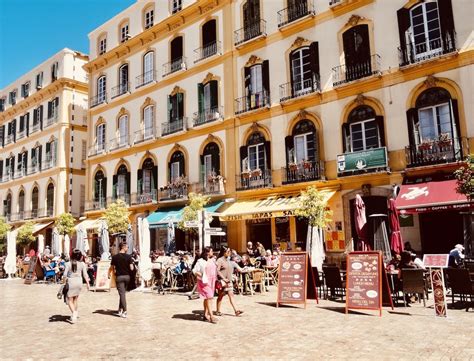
456,256
250,250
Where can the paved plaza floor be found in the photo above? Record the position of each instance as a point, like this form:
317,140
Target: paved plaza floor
34,325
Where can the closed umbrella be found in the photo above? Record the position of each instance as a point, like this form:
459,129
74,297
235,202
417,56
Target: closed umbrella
82,244
396,242
10,261
67,245
40,243
361,224
130,239
145,261
171,243
104,241
315,246
55,242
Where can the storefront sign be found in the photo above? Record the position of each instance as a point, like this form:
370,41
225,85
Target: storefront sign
362,160
439,292
102,281
292,278
364,281
30,276
436,260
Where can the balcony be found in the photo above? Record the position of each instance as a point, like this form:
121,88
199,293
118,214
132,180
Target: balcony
98,204
10,138
144,134
146,78
174,126
253,31
15,217
302,172
20,173
254,179
176,190
123,197
207,51
416,53
207,116
7,216
145,197
48,164
212,186
344,74
52,118
49,211
293,13
35,168
174,66
32,214
98,148
97,100
441,151
119,142
7,177
120,89
35,127
299,89
21,134
252,102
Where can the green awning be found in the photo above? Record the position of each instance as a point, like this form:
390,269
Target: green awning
161,217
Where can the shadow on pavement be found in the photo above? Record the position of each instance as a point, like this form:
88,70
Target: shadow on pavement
343,310
194,316
60,318
107,312
281,305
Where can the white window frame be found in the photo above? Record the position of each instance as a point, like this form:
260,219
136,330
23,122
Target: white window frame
122,130
147,178
411,33
101,89
176,5
148,67
362,123
121,185
305,147
102,45
149,18
300,86
174,169
435,122
124,32
257,149
256,79
148,122
100,137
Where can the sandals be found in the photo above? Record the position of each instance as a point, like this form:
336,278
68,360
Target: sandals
217,313
238,313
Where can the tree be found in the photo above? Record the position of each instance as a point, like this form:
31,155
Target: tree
4,228
116,215
25,234
65,224
465,178
313,206
190,212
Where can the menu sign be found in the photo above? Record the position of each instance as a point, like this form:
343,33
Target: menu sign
364,281
292,278
435,260
103,281
30,276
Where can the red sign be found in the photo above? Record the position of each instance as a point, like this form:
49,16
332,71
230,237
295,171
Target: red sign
436,260
364,281
439,292
292,278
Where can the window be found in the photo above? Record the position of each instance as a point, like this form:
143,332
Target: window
148,67
123,79
251,16
2,104
124,35
122,181
102,45
148,121
149,14
53,108
51,153
39,80
175,107
176,5
255,157
256,85
54,71
83,150
25,89
101,89
176,54
208,100
7,206
425,31
364,130
100,136
21,203
100,183
147,177
209,38
123,130
210,161
50,200
176,165
357,55
12,97
34,202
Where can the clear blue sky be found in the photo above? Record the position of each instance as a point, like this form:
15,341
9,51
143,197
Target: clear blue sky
31,31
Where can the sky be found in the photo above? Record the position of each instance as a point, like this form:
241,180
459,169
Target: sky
31,31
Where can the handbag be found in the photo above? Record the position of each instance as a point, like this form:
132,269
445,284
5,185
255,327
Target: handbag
218,285
63,291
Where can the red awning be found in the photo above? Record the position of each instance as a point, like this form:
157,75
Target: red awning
430,196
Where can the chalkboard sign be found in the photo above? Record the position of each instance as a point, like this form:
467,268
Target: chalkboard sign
292,278
30,275
102,280
364,281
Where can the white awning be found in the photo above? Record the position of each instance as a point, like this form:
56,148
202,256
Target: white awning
38,227
89,224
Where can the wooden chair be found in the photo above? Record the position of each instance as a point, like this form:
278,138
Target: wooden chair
256,279
319,282
413,281
461,285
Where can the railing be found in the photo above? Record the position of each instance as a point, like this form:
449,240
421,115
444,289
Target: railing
98,99
97,149
9,139
144,135
346,73
119,142
7,177
120,89
48,164
295,12
49,211
169,193
21,134
299,89
174,66
31,214
208,51
123,197
210,187
302,172
174,126
35,127
415,53
7,216
254,179
100,203
146,78
207,116
19,173
250,32
252,102
32,169
436,152
52,118
145,197
17,216
334,2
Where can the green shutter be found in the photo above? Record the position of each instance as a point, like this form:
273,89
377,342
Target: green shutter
200,98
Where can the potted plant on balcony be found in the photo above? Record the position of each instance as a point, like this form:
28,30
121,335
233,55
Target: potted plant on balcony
256,173
425,145
307,164
292,166
246,174
444,140
465,178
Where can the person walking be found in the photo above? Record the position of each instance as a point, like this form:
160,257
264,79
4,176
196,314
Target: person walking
123,267
74,271
225,272
205,271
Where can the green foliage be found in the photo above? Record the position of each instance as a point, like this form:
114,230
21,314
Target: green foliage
116,215
4,228
314,207
65,224
190,212
25,234
465,179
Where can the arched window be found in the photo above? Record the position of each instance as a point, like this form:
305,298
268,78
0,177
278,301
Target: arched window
304,73
123,131
176,166
177,61
123,80
121,183
101,89
7,207
210,160
21,204
148,67
148,122
100,137
147,177
209,39
425,30
34,202
124,32
100,189
358,64
256,153
363,130
257,87
50,200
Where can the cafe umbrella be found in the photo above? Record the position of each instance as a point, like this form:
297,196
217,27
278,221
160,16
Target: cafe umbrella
104,241
315,246
361,224
10,261
145,261
67,245
129,238
396,242
55,245
171,243
40,243
82,243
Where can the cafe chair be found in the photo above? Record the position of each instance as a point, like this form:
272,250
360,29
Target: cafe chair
413,281
49,275
333,282
318,281
256,279
461,285
271,276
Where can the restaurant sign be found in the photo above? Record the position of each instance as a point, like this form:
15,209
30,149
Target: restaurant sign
362,160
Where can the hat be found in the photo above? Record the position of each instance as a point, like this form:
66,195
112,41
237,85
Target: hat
47,246
459,247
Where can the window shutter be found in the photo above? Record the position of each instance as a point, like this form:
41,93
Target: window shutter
201,167
314,59
56,104
127,190
25,161
1,169
266,79
104,187
14,129
33,156
243,155
180,105
19,161
50,109
380,126
346,138
182,172
247,80
22,123
154,178
40,156
200,98
214,94
446,19
27,121
169,171
170,108
216,164
289,145
140,181
412,120
35,116
114,185
41,116
455,121
268,155
2,135
403,16
292,80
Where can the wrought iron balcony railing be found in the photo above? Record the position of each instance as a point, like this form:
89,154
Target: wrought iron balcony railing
120,89
174,66
174,126
35,127
299,89
214,186
250,32
21,134
145,197
346,73
123,197
253,179
173,192
97,100
48,163
302,172
97,204
122,141
49,211
207,116
252,102
146,78
143,135
436,152
413,53
9,138
52,118
97,148
290,14
207,51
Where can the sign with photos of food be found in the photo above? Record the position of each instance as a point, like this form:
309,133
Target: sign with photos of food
292,278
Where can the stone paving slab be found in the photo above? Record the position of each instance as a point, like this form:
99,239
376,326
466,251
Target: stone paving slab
34,325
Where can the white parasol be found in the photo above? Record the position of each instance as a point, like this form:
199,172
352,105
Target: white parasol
55,246
10,262
145,261
104,241
67,245
40,244
315,246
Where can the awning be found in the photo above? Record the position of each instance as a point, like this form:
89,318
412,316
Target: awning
275,206
38,227
430,196
89,224
161,217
